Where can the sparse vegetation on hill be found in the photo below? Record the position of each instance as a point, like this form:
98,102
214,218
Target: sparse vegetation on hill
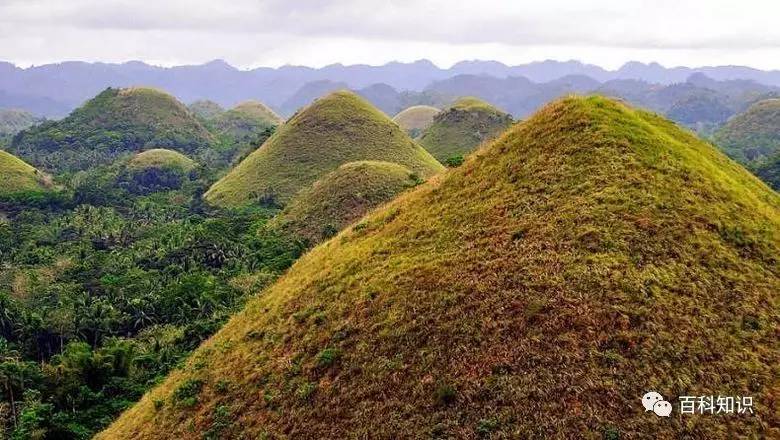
116,122
460,129
416,119
332,131
342,197
591,253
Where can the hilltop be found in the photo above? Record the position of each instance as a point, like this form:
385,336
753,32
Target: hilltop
161,158
17,176
157,170
339,128
753,135
115,122
245,121
415,119
590,254
342,197
459,129
205,109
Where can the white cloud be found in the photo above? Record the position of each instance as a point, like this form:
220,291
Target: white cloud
274,32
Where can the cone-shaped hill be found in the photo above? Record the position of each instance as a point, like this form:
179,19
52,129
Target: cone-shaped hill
461,128
339,128
116,122
753,138
592,253
205,109
157,170
415,119
17,176
161,158
342,197
245,121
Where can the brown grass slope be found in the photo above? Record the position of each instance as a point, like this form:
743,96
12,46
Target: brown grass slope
592,253
342,197
339,128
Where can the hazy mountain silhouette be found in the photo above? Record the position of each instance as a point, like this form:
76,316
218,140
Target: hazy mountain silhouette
54,89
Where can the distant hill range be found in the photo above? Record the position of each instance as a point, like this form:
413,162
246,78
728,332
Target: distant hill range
53,90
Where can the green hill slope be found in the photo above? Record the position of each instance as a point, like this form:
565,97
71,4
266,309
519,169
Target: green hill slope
114,123
334,130
753,135
753,139
162,159
205,109
416,119
592,253
17,176
342,197
157,170
246,121
460,129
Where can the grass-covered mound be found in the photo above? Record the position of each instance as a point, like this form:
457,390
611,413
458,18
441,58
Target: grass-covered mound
114,123
461,128
754,135
157,170
592,253
339,128
416,119
246,121
17,177
342,197
205,109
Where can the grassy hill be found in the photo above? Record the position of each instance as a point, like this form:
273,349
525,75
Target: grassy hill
205,109
114,123
415,119
17,176
162,159
459,129
753,139
245,121
590,254
753,135
157,170
339,128
342,197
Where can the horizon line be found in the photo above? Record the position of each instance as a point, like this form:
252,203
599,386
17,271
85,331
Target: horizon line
161,65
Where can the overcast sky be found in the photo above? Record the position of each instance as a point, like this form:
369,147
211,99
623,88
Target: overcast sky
251,33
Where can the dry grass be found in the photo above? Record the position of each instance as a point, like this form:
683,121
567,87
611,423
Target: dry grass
342,197
590,254
17,176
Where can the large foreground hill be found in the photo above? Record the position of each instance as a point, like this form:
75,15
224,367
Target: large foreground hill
592,253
